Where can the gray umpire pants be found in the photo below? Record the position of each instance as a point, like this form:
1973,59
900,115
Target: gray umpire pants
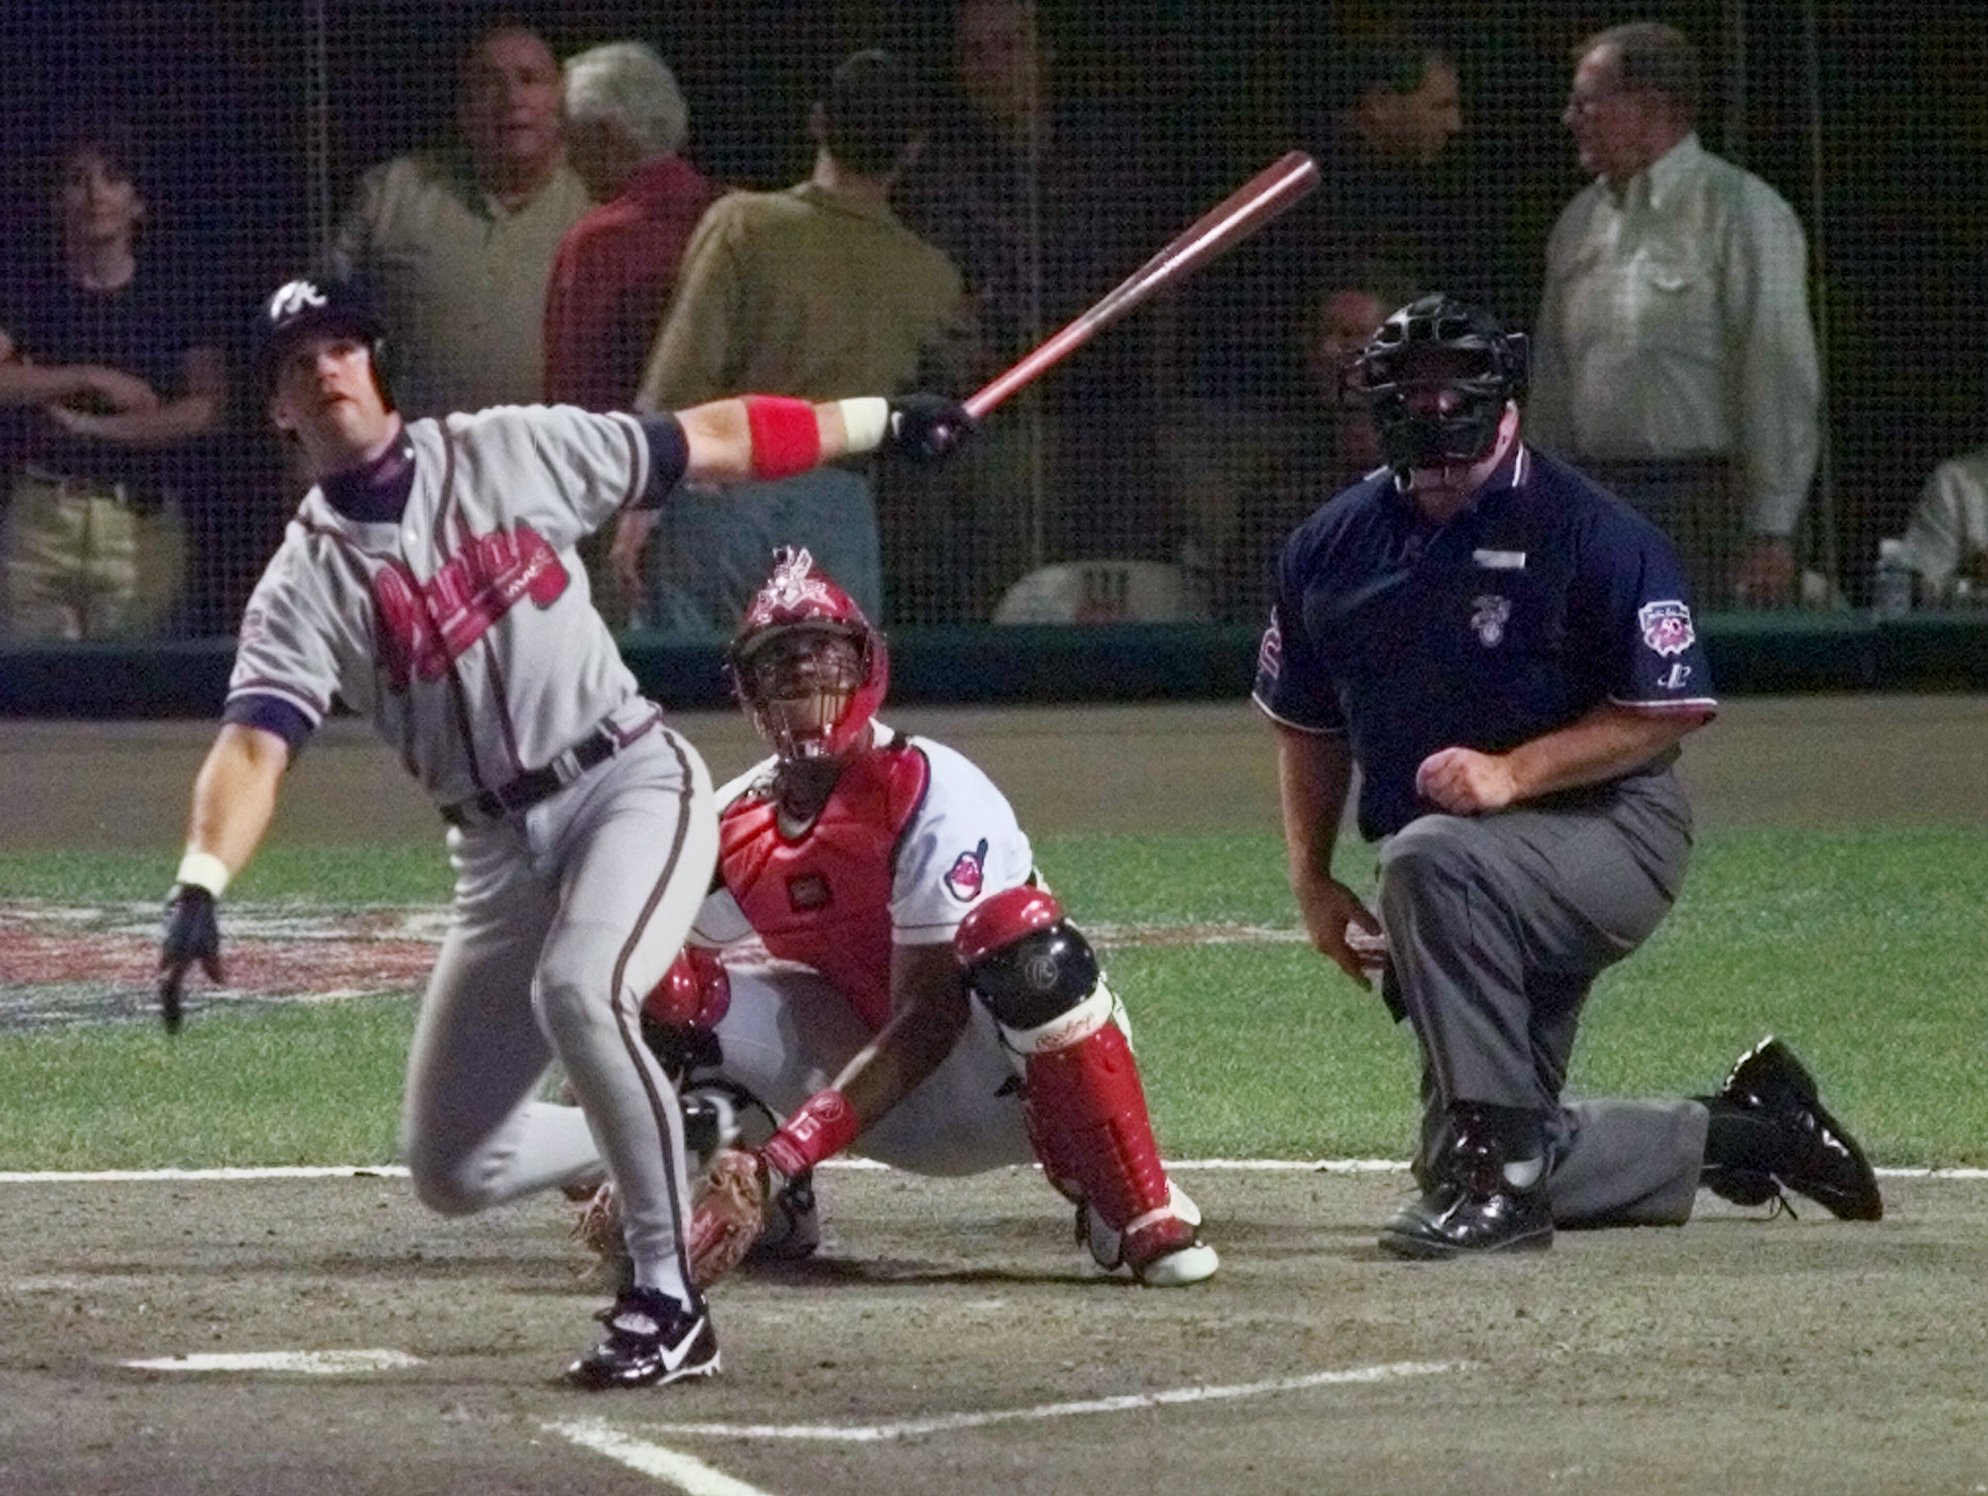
1497,926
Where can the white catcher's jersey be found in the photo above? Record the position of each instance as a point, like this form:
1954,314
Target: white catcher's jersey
466,631
963,844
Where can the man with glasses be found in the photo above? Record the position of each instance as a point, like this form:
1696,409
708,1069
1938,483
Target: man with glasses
1675,362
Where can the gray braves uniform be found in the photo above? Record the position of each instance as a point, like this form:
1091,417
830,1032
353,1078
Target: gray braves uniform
464,629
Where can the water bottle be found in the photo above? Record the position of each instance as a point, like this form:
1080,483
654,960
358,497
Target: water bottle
1891,594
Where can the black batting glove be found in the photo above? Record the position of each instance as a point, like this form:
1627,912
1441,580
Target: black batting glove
193,933
925,428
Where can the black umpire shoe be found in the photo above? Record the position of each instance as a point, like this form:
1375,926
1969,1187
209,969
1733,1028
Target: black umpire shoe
652,1340
1453,1221
1773,1133
1470,1206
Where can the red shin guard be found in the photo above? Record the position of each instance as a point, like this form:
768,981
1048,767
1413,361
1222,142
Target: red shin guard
1087,1118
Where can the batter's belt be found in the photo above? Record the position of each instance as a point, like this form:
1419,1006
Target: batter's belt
535,785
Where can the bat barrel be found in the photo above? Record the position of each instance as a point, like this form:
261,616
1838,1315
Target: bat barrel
1230,221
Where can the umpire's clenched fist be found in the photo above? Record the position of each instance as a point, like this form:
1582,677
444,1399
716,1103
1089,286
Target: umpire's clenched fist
192,934
926,427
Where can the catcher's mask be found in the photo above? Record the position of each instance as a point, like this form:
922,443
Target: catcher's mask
808,667
1437,375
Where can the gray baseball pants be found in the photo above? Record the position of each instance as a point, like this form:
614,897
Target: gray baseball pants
564,919
1497,926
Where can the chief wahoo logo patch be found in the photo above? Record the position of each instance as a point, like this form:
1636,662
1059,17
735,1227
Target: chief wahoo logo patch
968,874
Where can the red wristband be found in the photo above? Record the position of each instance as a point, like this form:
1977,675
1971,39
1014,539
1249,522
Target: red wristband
786,436
823,1126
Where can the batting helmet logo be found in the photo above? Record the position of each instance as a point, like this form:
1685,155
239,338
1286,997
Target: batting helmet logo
295,297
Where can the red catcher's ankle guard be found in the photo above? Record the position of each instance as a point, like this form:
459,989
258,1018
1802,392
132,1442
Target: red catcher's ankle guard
1087,1117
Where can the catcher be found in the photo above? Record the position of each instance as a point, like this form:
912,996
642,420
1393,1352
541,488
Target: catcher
880,964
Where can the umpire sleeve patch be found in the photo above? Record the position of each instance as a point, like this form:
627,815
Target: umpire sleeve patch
1666,626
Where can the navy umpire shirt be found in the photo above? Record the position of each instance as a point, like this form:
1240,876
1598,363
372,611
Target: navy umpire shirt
1542,598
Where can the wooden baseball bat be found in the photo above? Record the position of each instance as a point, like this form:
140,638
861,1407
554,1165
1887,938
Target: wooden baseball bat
1228,223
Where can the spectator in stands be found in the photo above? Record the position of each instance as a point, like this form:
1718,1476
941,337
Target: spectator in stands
1242,480
113,374
1395,105
625,124
1946,541
1674,359
457,243
818,292
1382,120
1044,207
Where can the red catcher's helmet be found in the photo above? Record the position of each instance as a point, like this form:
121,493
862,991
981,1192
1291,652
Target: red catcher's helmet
808,667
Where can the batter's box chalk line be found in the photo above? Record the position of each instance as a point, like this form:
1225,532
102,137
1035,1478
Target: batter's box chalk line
297,1363
696,1478
1125,1403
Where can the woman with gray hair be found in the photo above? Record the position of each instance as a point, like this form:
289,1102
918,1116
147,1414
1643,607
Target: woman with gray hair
625,122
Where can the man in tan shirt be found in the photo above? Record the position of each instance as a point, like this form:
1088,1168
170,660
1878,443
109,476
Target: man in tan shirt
818,292
457,244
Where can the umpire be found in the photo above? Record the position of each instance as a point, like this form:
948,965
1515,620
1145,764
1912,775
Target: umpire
1507,654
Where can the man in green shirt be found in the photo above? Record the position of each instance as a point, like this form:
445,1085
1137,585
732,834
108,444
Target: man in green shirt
818,292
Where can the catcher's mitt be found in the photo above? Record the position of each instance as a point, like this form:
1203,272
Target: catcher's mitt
598,1229
730,1215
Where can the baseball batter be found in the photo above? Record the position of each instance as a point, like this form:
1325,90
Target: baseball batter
882,965
429,580
1508,655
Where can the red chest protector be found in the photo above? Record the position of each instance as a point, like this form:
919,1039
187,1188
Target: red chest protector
823,898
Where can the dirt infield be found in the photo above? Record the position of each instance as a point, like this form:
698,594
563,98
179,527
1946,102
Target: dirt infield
951,1338
1206,766
954,1340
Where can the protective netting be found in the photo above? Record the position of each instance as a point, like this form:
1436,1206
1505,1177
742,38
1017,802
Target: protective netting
1155,473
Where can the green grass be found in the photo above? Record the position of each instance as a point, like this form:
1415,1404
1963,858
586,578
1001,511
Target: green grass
1864,948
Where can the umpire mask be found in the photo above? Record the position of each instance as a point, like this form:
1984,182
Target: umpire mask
1437,376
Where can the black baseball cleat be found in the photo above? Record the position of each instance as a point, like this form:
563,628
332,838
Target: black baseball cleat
652,1340
1450,1220
1777,1135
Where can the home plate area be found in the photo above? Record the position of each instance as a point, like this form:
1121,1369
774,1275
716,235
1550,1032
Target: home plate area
301,1333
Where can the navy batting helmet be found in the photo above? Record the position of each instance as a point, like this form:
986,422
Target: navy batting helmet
305,308
1447,346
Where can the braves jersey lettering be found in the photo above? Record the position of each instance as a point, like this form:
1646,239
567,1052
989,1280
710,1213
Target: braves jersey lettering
418,625
423,628
823,899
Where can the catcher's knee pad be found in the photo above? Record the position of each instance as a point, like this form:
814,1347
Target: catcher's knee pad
1035,971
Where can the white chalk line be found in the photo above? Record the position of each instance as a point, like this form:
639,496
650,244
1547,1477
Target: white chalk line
686,1472
399,1171
303,1363
1129,1402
